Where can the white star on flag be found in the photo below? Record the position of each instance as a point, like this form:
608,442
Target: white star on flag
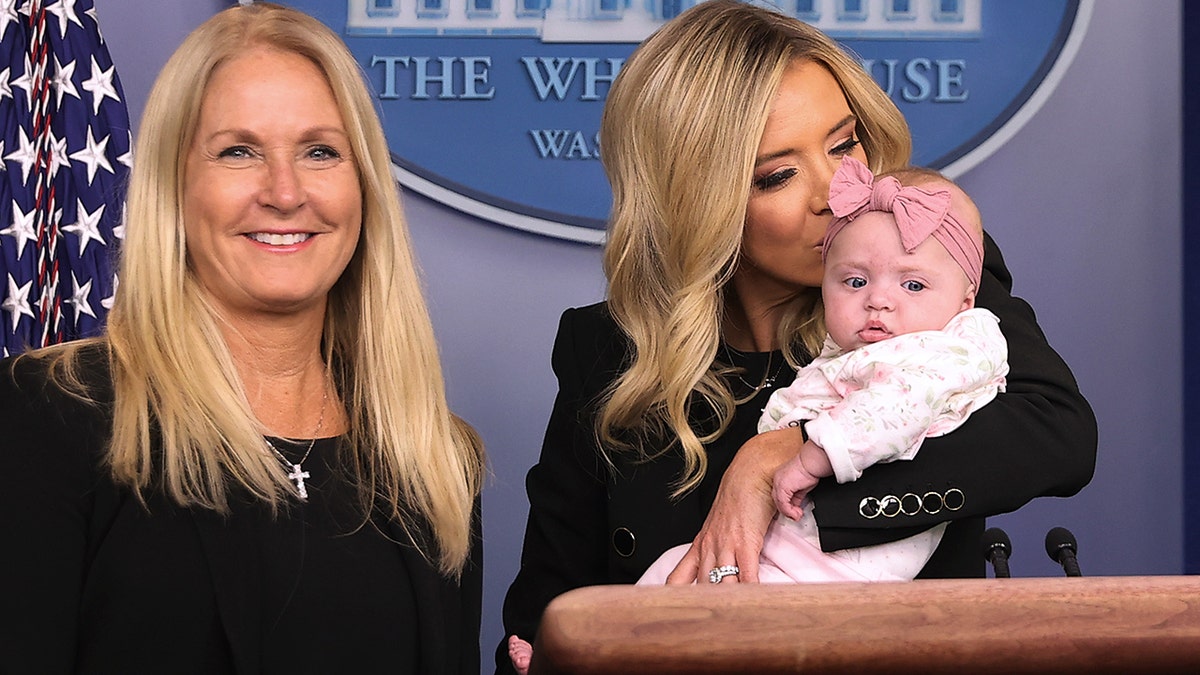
22,228
16,301
65,11
5,87
127,158
107,303
100,85
8,14
86,227
79,298
62,80
58,154
25,155
25,81
93,156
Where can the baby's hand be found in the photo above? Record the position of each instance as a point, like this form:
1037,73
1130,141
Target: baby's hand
791,484
521,653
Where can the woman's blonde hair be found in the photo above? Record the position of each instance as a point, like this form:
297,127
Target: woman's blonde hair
679,135
181,422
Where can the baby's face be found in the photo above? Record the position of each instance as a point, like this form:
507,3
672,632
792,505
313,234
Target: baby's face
873,289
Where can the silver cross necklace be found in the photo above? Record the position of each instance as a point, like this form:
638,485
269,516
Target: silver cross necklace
296,472
768,376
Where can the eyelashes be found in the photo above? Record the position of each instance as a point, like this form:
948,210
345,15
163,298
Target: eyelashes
782,176
324,152
237,151
774,179
846,148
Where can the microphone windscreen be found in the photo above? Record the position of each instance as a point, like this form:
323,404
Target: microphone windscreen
1059,539
994,539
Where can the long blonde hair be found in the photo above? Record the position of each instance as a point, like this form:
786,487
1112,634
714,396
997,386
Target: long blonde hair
679,135
181,421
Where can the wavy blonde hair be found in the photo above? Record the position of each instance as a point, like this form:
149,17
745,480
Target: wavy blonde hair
679,134
181,421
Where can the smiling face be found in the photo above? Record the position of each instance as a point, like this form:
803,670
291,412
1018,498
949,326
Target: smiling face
271,199
874,289
808,131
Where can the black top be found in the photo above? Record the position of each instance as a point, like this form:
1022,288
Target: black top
94,581
761,371
590,523
335,595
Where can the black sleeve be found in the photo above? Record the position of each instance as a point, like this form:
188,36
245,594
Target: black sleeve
565,545
45,478
1036,439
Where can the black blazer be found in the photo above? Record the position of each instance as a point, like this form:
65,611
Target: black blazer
84,562
589,524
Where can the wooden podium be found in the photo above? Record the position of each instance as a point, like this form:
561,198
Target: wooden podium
961,626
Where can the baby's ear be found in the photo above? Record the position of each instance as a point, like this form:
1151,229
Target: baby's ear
969,301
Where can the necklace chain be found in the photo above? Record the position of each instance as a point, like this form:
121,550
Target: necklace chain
769,376
296,472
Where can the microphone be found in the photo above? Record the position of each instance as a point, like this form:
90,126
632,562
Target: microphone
996,549
1061,547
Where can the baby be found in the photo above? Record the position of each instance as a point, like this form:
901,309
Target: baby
908,356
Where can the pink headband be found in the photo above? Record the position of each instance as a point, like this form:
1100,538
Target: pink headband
919,214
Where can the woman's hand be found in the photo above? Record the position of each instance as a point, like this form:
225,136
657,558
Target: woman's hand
733,532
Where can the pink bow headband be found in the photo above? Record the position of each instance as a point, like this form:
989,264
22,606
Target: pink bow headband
919,214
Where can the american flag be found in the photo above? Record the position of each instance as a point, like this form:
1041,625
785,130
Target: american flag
64,161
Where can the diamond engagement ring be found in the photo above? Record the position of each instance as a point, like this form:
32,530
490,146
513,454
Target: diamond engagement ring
718,573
